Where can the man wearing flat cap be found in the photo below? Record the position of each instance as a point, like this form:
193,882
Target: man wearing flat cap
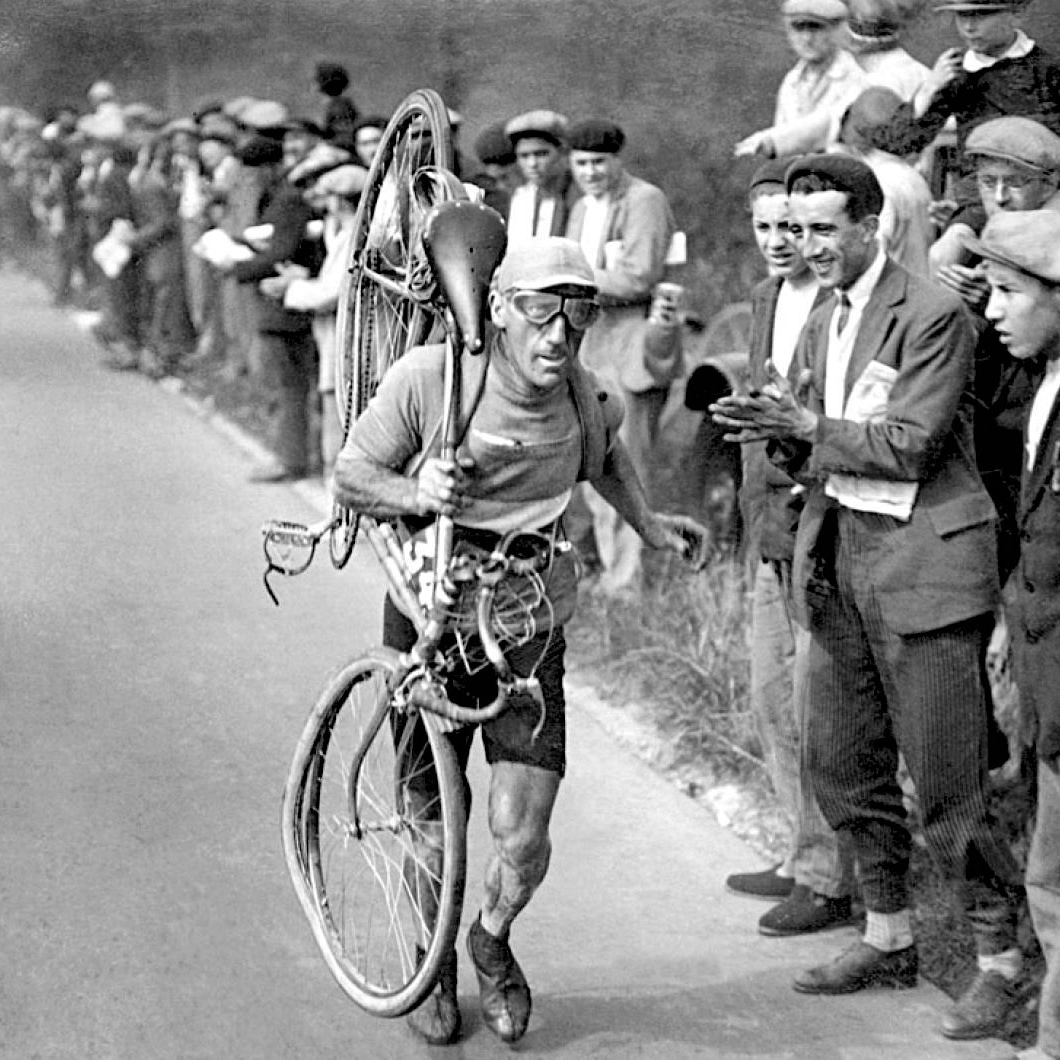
625,227
815,92
895,573
540,205
1022,262
539,426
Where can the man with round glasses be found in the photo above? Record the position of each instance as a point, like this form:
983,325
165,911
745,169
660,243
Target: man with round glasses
533,423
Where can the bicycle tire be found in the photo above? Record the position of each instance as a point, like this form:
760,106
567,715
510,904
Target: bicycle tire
363,889
374,325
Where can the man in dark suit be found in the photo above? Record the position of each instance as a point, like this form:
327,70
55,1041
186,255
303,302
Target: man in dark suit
809,883
1022,254
895,572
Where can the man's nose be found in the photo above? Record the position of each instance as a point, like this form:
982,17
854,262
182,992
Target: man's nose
992,312
556,330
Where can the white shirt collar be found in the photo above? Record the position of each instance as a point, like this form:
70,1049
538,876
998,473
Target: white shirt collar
1020,47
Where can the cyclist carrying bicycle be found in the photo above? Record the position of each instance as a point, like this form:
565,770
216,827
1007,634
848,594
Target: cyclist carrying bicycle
534,423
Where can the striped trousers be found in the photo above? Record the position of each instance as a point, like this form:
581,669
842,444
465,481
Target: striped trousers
876,695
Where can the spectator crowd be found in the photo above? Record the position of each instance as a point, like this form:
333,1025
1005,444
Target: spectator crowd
880,203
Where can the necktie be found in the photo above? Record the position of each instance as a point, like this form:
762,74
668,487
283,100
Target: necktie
844,311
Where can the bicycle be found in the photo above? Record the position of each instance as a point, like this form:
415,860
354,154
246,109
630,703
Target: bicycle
373,811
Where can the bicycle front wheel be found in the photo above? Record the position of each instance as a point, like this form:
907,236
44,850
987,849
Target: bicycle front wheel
373,825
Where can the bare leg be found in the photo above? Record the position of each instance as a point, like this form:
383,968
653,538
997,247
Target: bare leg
520,808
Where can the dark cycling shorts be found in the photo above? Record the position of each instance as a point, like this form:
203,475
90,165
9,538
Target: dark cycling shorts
509,738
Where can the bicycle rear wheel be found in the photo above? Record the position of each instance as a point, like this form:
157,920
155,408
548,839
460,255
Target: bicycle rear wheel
380,316
373,824
382,313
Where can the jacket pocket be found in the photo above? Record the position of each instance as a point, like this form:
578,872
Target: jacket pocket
961,513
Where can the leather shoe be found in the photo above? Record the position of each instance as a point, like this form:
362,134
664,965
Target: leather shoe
859,967
437,1021
765,884
503,990
804,912
275,475
981,1011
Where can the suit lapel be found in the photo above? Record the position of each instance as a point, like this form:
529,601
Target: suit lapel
1046,459
877,319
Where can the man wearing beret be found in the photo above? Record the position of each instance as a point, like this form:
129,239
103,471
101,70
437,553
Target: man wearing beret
895,573
539,206
811,879
1022,263
818,88
625,226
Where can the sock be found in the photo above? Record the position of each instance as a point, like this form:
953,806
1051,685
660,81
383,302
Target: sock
1008,963
888,932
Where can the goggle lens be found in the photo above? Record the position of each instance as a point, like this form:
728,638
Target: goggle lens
539,307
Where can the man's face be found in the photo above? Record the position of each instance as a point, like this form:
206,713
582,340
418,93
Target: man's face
1024,311
538,159
296,145
540,355
595,172
810,40
986,32
366,144
769,219
837,249
1009,186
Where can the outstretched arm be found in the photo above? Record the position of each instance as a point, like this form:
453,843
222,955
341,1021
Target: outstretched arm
620,486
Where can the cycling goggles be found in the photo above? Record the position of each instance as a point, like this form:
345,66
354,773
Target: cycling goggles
539,307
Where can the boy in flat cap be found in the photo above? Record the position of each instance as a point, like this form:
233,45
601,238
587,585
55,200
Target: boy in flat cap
625,227
895,573
815,92
1000,71
540,205
1022,255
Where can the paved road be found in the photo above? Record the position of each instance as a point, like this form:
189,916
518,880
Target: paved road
149,698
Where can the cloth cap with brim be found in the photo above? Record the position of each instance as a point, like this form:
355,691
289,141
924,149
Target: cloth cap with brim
982,6
180,125
597,135
264,114
844,172
873,109
543,262
543,124
494,147
260,151
320,159
815,10
1027,240
1016,139
348,181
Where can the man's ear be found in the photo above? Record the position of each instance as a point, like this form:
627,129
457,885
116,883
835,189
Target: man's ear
498,309
872,226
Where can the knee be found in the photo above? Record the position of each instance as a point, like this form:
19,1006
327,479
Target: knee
520,839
